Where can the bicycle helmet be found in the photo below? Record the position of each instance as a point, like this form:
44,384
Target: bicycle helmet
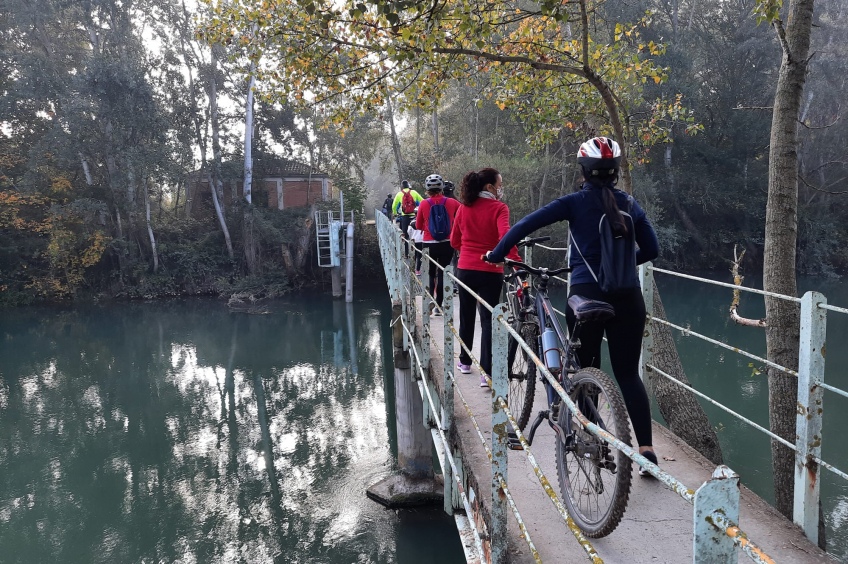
434,182
405,184
599,156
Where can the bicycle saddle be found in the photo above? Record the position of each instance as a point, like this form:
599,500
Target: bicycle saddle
590,310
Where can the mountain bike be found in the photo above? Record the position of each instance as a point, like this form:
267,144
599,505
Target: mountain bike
594,477
522,318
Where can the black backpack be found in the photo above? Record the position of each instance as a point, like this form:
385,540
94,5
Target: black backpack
618,257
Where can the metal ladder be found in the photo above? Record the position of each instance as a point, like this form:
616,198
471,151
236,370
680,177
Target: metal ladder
325,241
331,242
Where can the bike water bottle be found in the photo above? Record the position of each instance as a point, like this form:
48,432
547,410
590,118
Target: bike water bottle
550,351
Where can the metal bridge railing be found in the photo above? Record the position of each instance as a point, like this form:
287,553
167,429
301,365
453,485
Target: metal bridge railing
810,374
716,502
811,386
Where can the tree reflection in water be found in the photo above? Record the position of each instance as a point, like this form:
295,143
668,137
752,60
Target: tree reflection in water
182,432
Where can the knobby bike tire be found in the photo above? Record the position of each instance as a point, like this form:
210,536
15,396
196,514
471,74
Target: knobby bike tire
597,513
522,371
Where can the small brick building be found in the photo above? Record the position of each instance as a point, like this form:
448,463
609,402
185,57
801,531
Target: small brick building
280,184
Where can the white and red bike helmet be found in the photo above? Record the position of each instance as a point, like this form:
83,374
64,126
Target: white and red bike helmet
599,157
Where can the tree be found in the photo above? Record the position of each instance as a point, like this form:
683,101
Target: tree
416,49
782,317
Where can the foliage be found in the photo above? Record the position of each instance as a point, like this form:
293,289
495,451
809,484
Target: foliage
541,62
47,247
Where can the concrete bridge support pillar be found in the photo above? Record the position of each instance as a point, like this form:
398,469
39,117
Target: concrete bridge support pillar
415,483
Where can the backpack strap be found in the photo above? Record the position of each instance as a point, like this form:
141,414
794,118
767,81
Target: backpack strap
573,240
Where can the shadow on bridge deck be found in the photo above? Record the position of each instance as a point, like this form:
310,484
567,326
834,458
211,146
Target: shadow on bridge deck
658,524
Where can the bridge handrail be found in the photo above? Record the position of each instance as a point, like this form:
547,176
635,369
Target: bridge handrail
499,401
817,306
688,332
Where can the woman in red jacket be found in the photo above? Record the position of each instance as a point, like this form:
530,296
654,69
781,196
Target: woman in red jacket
481,222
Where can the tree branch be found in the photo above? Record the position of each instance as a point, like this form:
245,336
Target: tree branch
767,108
820,126
817,189
781,36
511,59
734,304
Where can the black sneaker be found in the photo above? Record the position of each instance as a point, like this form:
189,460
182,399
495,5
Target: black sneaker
649,454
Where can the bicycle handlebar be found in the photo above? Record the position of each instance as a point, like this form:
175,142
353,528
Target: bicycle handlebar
532,241
536,271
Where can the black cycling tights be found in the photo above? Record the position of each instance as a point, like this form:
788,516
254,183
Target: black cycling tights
624,337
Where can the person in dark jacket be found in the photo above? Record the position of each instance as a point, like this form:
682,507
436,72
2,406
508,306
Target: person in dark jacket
599,159
387,206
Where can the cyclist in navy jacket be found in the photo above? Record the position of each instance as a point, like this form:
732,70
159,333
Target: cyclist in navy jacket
600,158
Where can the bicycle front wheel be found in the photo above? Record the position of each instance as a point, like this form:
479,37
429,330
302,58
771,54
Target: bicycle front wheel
594,477
522,371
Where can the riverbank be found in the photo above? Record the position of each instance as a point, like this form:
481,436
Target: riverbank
190,265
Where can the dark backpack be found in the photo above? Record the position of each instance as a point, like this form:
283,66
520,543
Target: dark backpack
407,204
439,221
617,272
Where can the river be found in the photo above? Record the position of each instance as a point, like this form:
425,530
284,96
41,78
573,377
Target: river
181,432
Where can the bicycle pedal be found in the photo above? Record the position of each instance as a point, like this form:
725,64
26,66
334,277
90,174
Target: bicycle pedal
513,443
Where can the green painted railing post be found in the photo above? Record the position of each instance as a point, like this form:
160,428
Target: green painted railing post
646,280
500,430
808,422
720,494
447,384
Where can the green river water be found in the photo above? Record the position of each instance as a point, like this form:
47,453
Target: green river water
181,432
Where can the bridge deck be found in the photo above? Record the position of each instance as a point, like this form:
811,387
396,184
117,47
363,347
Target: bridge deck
657,526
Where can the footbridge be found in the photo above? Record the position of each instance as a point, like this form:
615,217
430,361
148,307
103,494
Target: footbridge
507,503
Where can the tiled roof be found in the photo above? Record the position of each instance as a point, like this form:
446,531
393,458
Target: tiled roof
270,168
284,167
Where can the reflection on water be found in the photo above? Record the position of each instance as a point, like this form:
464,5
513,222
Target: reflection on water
182,432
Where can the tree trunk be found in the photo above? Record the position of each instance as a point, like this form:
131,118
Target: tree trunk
248,236
150,227
782,317
437,160
417,134
247,189
610,102
215,182
395,140
680,408
88,180
251,246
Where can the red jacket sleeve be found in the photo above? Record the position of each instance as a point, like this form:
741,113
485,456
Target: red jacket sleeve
503,227
456,230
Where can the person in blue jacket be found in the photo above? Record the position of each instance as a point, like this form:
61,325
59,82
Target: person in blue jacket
600,159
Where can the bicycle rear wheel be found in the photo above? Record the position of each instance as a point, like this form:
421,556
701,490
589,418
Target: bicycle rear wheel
522,371
594,477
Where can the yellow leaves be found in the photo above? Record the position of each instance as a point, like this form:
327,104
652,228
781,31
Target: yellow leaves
657,79
60,184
